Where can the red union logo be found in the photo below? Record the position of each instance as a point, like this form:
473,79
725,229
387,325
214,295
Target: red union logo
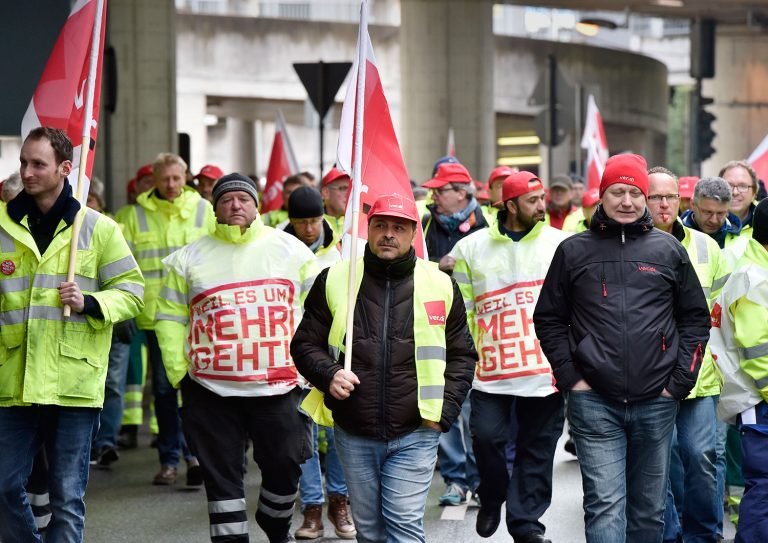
717,315
646,268
7,267
435,312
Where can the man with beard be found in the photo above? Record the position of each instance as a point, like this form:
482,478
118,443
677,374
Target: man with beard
499,271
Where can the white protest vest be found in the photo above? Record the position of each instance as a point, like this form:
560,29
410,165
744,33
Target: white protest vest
500,280
245,303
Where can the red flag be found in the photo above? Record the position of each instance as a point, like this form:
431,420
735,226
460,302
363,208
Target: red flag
595,143
759,159
381,169
60,99
282,163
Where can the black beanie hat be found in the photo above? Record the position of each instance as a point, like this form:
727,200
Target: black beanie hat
232,182
305,203
760,223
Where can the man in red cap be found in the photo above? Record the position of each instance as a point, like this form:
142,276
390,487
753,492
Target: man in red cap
624,322
206,179
454,214
578,221
499,271
411,368
334,189
495,181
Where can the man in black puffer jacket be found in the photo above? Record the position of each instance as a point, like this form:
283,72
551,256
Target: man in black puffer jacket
412,365
623,320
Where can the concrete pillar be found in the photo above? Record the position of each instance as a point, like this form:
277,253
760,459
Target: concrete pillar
241,145
740,90
446,59
143,33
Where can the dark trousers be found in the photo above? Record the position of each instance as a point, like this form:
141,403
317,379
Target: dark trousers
528,490
218,429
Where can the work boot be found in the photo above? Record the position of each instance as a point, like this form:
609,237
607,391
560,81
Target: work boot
166,475
312,527
338,514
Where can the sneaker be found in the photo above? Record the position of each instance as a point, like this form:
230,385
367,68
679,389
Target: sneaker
453,495
474,500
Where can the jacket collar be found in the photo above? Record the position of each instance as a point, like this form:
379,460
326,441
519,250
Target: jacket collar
232,234
183,205
389,269
603,225
64,208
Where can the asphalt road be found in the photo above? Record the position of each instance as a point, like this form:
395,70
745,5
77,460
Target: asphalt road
123,506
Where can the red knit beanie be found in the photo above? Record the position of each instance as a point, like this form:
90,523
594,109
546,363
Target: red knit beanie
628,169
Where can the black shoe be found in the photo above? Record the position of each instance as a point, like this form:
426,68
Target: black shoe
487,521
570,446
107,457
194,475
128,437
533,537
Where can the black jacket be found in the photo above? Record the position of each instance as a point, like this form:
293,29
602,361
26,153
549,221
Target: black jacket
439,239
384,404
622,308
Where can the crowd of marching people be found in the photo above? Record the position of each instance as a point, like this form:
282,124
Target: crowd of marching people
635,309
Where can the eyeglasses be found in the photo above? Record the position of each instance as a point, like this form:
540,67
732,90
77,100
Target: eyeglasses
657,198
443,190
740,189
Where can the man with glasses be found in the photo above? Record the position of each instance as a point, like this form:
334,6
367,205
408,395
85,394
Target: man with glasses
694,499
334,189
623,321
454,215
710,213
743,181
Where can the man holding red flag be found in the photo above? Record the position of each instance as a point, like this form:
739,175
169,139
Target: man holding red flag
52,390
411,369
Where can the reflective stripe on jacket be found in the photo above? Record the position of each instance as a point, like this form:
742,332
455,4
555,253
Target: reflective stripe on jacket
500,280
713,271
739,337
156,228
45,358
244,295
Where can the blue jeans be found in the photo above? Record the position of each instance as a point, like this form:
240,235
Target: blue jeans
457,459
66,433
753,521
388,483
623,452
114,391
692,496
311,482
170,440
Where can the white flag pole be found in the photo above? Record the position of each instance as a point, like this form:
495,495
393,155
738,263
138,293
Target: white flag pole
356,180
85,147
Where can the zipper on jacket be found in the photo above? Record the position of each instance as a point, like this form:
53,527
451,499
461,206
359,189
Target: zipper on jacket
623,238
696,355
385,360
663,340
602,280
624,316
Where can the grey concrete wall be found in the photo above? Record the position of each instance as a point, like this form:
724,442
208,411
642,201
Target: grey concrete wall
740,90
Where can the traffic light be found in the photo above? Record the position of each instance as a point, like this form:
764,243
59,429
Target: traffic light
705,134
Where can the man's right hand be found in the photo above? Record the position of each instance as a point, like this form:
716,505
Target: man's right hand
581,385
342,384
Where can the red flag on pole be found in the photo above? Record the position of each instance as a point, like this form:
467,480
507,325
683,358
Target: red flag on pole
595,143
759,160
62,94
381,169
282,163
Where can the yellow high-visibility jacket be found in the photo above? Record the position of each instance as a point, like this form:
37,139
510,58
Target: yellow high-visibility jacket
155,228
45,358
